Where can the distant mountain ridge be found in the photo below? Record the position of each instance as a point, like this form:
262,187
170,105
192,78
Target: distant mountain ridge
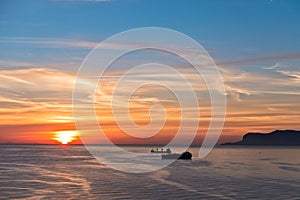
277,137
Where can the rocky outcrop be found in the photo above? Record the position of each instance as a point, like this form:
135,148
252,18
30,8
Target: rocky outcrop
277,137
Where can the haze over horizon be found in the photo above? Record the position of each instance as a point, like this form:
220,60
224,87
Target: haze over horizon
255,45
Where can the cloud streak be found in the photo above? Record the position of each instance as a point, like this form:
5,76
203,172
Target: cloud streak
49,42
256,100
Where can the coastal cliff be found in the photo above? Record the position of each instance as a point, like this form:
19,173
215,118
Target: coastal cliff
277,137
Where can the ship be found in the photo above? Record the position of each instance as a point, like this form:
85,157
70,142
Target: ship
167,154
168,151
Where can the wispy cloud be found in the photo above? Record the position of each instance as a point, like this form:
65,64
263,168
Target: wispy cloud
31,91
276,79
13,65
294,76
274,58
41,92
70,43
49,42
255,100
272,67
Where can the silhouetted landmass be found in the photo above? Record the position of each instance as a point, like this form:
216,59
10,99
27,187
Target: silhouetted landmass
278,138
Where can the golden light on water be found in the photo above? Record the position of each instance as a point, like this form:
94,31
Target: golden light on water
65,137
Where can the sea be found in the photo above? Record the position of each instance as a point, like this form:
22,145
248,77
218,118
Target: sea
71,172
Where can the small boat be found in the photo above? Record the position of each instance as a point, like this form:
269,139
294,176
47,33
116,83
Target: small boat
185,156
161,151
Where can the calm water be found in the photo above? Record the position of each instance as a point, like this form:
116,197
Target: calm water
58,172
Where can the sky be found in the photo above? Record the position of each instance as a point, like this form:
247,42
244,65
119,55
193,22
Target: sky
255,45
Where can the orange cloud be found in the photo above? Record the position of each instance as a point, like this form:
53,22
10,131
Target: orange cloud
37,102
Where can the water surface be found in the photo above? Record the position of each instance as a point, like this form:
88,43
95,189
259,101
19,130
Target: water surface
70,172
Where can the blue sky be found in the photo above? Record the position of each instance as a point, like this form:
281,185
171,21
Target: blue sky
230,30
42,44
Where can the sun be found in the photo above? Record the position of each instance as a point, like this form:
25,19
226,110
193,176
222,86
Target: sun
65,137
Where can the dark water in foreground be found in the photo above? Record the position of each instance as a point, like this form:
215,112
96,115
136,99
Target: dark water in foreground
70,172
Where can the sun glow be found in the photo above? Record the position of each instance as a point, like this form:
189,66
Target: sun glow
65,137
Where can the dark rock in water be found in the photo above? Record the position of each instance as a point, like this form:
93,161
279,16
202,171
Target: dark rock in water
278,137
186,156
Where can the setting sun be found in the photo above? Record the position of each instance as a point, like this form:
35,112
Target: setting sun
65,137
